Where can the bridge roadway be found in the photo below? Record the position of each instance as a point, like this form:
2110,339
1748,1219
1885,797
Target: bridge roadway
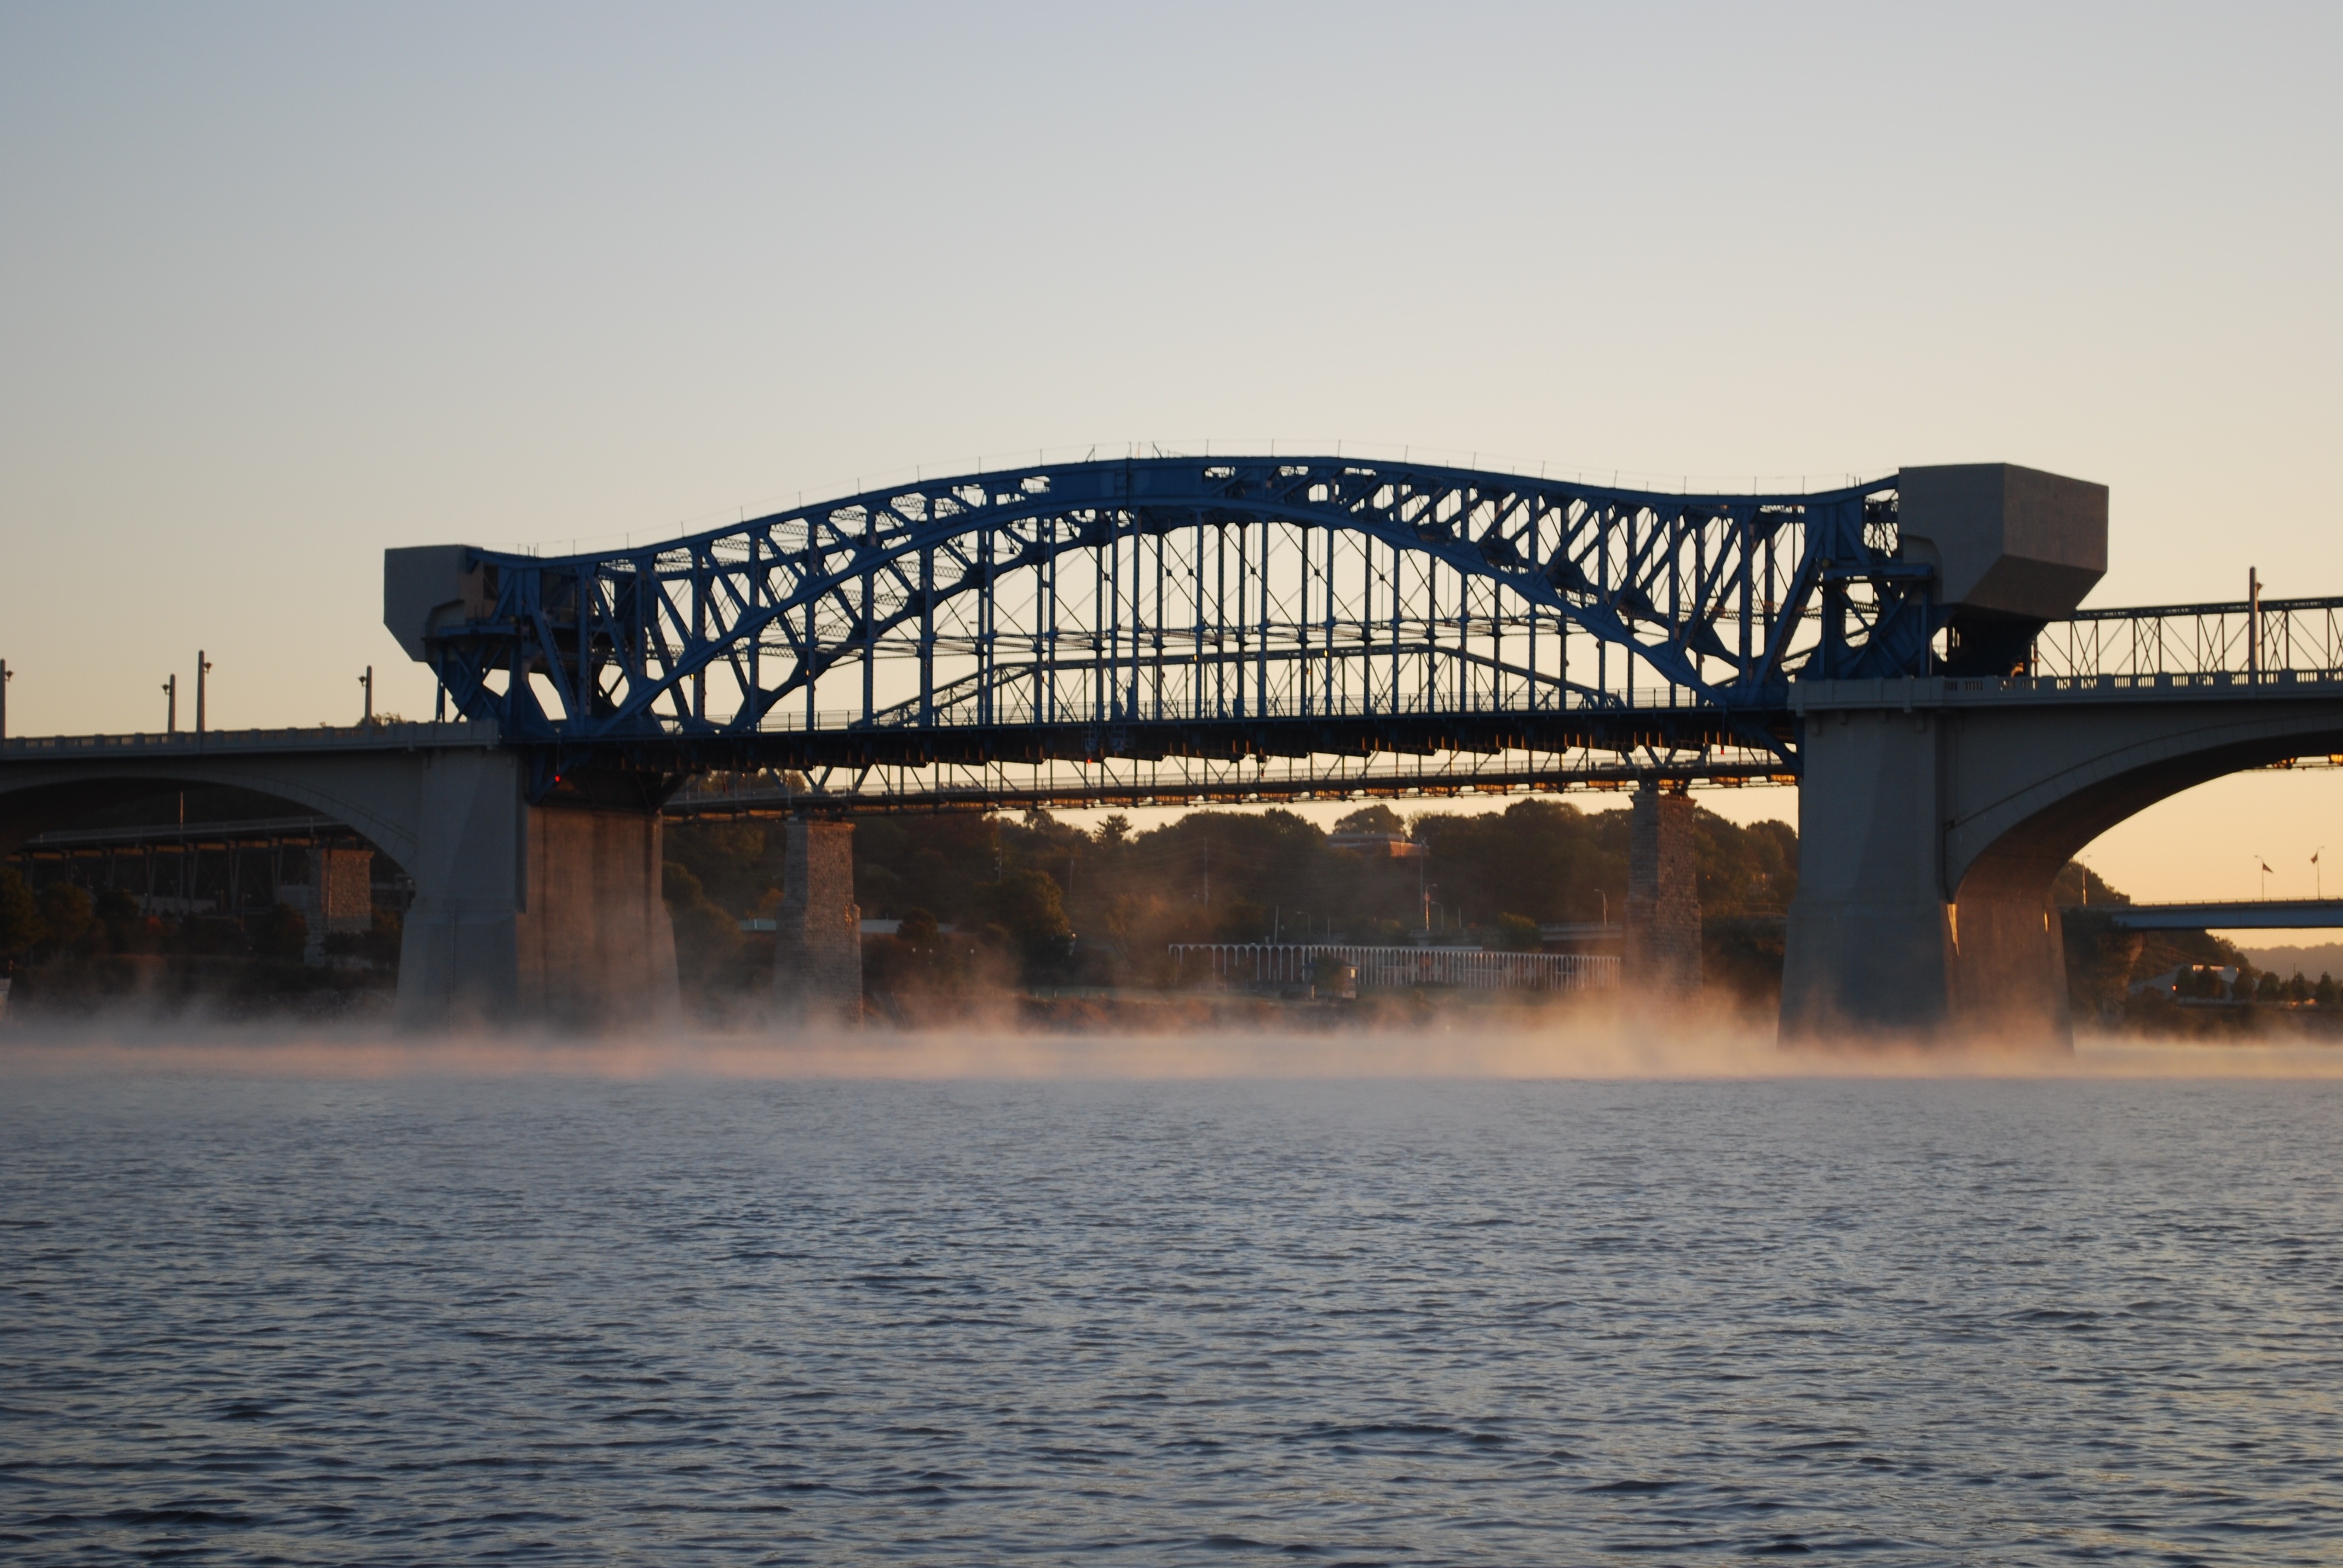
1176,630
521,910
2241,915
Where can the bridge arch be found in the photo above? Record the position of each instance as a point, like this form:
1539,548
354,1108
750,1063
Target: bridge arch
36,801
1172,590
2015,833
1937,813
2010,843
551,911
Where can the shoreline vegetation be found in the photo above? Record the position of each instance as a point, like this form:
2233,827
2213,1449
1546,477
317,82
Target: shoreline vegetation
1025,921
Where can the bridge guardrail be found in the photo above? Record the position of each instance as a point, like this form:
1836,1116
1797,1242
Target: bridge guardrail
2273,638
1282,706
1396,967
188,742
1934,691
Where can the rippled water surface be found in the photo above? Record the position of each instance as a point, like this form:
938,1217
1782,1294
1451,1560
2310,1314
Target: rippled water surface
257,1318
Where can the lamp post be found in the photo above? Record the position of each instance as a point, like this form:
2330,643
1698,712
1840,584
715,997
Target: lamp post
367,680
203,667
171,706
2319,876
6,675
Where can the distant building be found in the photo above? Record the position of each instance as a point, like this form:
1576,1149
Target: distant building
1375,846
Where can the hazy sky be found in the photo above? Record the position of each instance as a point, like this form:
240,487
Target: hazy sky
284,286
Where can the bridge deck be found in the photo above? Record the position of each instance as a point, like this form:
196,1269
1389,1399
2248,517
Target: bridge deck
402,736
2256,915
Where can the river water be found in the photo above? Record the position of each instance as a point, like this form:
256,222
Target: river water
260,1317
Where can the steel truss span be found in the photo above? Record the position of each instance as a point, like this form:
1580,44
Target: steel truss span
1225,608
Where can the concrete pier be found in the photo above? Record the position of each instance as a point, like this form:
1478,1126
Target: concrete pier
548,913
1663,947
818,935
1870,946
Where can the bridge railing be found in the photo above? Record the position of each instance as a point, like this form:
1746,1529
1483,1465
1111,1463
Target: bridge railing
2300,636
1016,703
190,742
1392,968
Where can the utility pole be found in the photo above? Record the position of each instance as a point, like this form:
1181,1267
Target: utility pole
203,667
6,675
171,706
367,680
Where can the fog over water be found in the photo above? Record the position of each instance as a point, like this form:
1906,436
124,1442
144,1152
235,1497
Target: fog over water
1601,1297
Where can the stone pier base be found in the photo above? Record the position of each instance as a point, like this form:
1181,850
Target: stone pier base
340,896
1663,896
817,939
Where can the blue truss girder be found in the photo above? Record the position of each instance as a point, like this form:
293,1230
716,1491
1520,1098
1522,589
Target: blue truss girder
1717,599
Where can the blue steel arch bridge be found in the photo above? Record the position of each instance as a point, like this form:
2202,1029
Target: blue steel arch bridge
1175,629
1180,623
1185,628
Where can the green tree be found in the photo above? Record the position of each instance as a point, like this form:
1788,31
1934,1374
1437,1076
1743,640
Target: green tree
1242,920
67,912
734,864
1031,908
707,939
20,914
1517,934
281,933
1376,819
917,930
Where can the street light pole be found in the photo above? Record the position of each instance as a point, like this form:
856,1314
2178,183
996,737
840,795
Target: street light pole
6,675
367,680
203,667
171,706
